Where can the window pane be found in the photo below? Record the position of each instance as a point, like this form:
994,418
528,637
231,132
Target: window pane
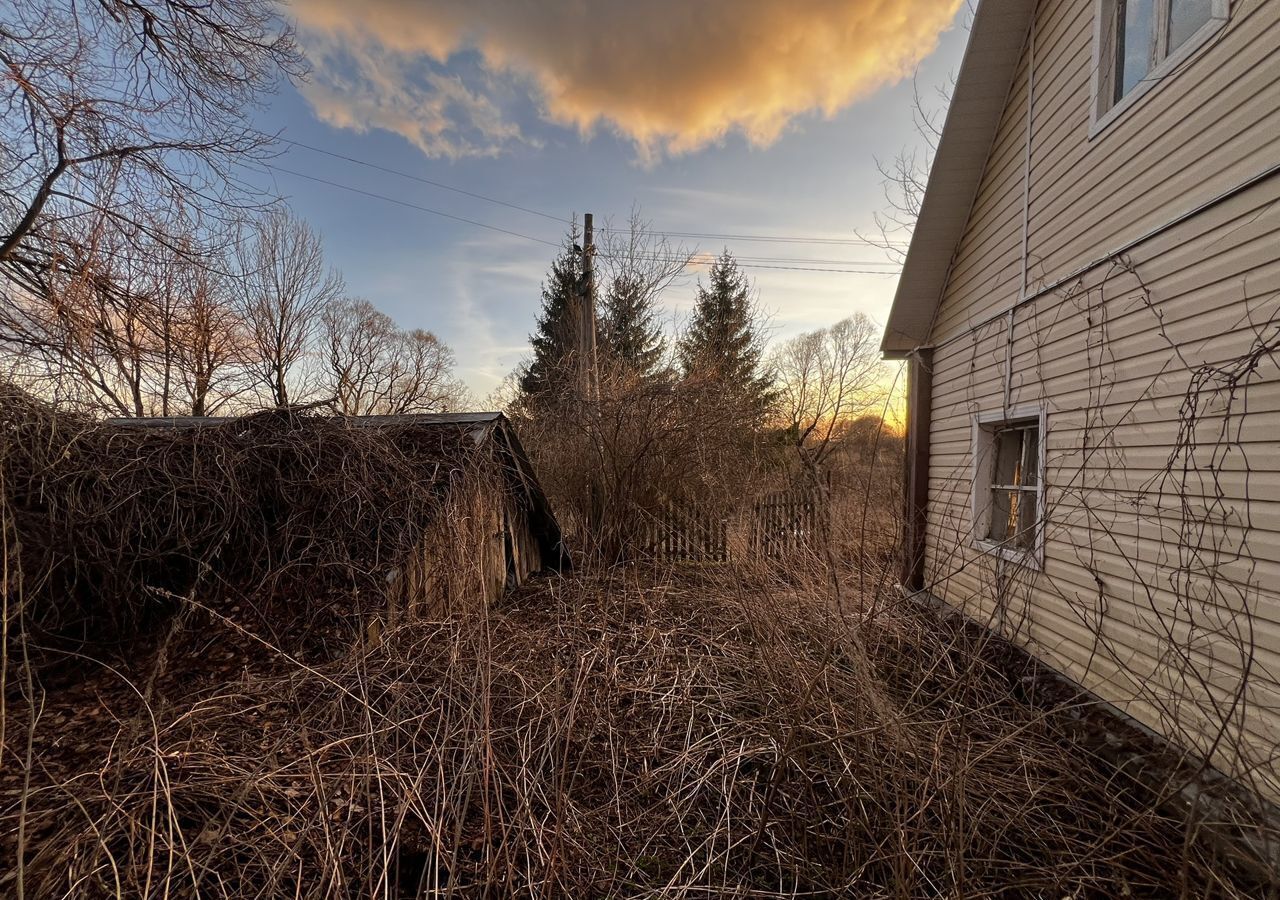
1027,517
1031,457
1008,457
1186,17
1004,510
1135,44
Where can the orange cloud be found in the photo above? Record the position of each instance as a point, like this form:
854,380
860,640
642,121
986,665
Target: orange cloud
670,75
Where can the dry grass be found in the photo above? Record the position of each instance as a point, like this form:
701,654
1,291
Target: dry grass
210,717
635,733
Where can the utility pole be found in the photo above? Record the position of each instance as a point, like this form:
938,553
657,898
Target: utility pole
589,375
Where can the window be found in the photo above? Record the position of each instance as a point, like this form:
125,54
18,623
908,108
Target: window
1140,40
1008,483
1014,495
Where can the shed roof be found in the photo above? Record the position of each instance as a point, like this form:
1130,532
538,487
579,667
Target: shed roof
518,470
982,89
453,418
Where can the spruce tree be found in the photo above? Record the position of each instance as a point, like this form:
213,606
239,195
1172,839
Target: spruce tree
723,344
550,373
629,333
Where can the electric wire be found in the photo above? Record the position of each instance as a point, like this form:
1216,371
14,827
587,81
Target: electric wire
435,212
782,239
422,180
275,167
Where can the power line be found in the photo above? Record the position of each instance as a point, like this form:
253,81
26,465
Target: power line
816,269
691,263
702,258
420,179
790,239
782,239
773,263
436,212
406,203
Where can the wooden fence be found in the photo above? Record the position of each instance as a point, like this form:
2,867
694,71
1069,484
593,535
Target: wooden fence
785,522
687,535
773,526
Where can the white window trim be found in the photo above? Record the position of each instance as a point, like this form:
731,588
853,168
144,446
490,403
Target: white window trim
1159,74
980,502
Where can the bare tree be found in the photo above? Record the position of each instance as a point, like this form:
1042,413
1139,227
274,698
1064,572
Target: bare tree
128,106
426,382
356,338
125,325
638,265
905,177
82,331
827,378
286,286
373,367
209,340
121,124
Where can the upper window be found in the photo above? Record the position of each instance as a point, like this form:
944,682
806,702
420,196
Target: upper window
1139,40
1008,489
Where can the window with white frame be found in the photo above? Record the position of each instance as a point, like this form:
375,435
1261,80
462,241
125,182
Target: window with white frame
1139,39
1008,501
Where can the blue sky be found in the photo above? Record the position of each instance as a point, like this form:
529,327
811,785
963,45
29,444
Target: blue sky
475,117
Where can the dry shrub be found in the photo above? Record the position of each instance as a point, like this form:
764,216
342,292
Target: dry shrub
643,447
659,455
865,474
632,734
300,521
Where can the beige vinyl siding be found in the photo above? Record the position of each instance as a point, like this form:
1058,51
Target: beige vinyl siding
1220,111
1122,605
1220,115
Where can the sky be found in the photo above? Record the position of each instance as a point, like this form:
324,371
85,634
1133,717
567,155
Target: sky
715,117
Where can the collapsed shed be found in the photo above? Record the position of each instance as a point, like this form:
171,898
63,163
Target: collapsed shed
507,531
306,528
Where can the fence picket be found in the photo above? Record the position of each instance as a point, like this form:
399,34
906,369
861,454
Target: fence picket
778,524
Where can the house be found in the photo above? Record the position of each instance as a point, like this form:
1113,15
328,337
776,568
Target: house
1090,314
498,528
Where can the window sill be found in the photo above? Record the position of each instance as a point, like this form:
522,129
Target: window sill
1028,559
1167,68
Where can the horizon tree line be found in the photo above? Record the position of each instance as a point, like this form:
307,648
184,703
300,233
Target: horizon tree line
180,325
